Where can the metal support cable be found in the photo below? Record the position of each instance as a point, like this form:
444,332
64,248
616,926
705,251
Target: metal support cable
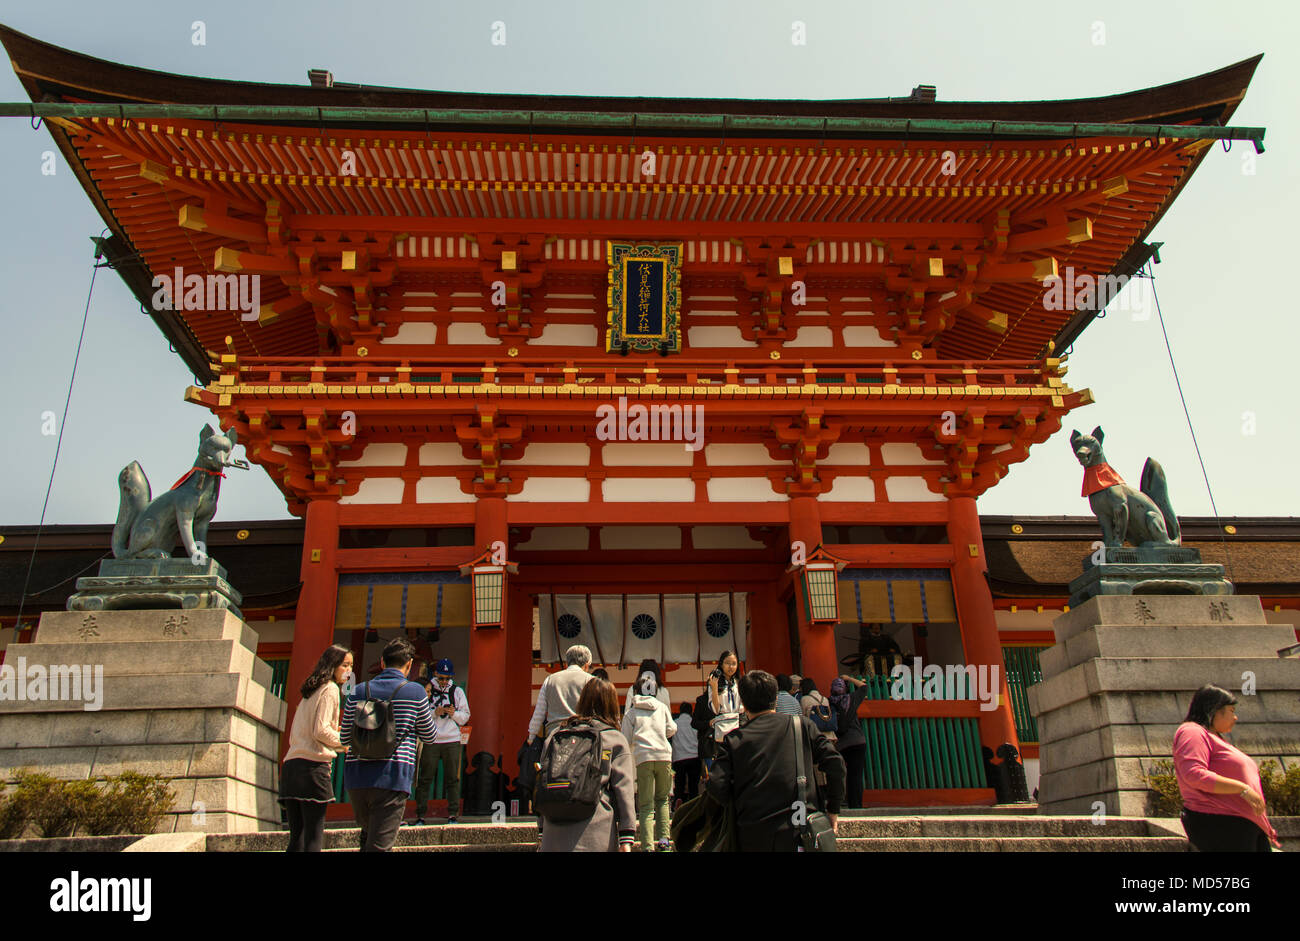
63,423
1227,556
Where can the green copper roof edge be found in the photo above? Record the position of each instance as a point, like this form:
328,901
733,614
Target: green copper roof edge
629,121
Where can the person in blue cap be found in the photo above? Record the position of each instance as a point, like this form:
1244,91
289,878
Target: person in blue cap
450,711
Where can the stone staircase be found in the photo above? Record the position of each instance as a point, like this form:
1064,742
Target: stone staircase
899,830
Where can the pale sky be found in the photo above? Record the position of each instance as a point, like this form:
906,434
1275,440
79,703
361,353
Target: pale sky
1224,282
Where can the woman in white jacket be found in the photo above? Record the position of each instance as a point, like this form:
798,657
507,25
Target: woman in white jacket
648,725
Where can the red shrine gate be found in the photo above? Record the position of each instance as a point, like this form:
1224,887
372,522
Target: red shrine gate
844,298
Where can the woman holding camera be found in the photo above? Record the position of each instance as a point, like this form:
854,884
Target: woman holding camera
724,695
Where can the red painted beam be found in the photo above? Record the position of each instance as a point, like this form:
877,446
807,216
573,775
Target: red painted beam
389,560
391,515
931,797
645,514
919,708
928,557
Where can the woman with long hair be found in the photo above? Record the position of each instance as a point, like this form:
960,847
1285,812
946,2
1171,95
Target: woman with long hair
648,666
724,695
1223,801
613,824
306,785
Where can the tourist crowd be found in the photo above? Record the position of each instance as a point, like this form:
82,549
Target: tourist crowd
778,758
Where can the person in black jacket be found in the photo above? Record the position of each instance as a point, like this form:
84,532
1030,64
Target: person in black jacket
849,740
754,770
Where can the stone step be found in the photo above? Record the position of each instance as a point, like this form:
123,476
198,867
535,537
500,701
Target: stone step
1016,845
1187,610
1156,709
144,658
990,827
455,848
345,838
1028,809
1145,642
1154,674
72,627
948,830
186,691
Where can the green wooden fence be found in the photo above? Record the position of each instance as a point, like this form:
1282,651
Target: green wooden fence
279,676
1023,672
910,753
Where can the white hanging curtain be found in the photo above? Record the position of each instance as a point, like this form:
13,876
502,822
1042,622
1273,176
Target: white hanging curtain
564,621
681,631
608,612
681,637
722,625
643,630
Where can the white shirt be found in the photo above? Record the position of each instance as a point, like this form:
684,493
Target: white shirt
447,728
686,743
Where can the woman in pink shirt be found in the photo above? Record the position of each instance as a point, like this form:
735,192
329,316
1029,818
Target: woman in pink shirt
1223,802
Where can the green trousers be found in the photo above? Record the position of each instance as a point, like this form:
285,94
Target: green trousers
654,784
427,763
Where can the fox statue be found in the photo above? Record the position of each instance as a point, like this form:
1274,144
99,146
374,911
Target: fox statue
1144,517
148,529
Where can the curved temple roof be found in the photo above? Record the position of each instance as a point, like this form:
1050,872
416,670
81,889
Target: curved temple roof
1118,183
50,72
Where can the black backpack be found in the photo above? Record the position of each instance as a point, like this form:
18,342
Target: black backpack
374,732
571,774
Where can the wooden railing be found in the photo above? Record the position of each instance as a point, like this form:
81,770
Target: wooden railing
616,371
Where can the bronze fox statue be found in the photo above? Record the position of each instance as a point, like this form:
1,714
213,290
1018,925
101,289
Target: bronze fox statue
1144,517
149,529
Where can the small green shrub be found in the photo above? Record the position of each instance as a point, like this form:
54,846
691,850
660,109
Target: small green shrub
129,803
1163,799
13,819
44,801
1281,789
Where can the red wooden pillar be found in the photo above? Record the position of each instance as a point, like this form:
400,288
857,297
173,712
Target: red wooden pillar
518,704
976,617
816,641
487,646
769,634
313,625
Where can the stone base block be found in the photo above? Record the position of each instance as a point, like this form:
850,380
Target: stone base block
1118,683
155,583
181,695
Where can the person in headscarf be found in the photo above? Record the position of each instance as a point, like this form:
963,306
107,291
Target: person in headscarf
849,739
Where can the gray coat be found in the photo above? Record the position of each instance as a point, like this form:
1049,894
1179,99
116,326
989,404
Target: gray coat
616,810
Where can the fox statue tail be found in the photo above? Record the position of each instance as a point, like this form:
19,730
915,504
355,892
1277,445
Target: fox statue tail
1155,486
136,494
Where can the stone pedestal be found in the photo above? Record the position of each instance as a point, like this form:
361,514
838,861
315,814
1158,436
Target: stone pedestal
155,583
182,694
1121,676
1148,570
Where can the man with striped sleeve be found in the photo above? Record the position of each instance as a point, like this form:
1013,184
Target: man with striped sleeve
378,787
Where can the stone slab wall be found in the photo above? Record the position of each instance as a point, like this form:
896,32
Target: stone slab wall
183,695
1118,682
